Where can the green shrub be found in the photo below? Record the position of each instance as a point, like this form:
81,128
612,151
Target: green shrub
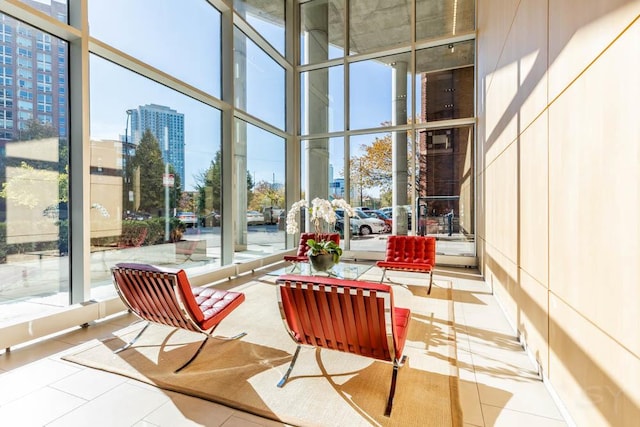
132,232
155,235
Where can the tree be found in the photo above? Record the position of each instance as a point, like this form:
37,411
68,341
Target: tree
250,186
33,129
175,193
373,169
265,195
19,189
209,186
148,160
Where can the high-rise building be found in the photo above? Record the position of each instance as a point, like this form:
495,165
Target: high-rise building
167,126
33,76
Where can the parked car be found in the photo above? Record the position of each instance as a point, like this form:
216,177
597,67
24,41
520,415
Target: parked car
339,226
255,218
188,218
271,214
370,225
138,216
282,220
388,210
388,222
364,223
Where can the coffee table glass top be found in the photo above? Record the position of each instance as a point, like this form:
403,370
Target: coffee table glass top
342,270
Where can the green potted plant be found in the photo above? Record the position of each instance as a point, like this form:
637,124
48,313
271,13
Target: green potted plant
323,252
324,247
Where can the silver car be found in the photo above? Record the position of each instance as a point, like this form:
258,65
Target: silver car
255,218
370,225
188,218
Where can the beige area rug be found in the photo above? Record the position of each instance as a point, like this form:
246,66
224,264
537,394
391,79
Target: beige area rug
326,388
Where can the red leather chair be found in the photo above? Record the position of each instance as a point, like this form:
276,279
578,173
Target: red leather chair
410,253
345,315
165,296
303,248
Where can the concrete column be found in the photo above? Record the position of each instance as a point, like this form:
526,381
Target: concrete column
317,98
240,146
399,147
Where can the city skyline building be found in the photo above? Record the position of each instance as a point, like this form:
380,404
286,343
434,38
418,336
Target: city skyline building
167,126
33,75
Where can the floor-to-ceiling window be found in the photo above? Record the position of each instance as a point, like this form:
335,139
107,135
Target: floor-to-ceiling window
259,147
160,132
154,150
444,85
171,102
34,160
404,104
154,188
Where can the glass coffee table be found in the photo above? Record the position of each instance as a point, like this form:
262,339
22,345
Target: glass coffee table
341,270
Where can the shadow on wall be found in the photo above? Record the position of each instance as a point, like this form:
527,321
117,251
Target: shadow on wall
599,390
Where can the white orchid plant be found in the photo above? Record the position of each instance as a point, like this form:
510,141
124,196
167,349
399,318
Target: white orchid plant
321,212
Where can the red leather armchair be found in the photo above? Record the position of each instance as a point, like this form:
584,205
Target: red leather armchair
345,315
165,296
410,253
303,248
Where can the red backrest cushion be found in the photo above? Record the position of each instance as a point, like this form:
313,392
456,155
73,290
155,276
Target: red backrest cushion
344,315
303,248
184,286
416,249
188,299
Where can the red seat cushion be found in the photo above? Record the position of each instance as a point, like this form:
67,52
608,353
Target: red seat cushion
215,304
339,315
410,253
207,306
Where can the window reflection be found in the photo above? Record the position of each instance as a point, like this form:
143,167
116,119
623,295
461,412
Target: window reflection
321,31
34,159
260,166
322,100
259,82
55,8
155,176
267,18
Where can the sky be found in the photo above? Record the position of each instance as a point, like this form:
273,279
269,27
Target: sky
153,26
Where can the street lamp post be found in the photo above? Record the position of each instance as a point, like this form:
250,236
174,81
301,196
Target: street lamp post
166,184
127,164
360,179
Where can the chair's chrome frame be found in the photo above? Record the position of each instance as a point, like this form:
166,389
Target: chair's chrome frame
193,326
384,273
397,363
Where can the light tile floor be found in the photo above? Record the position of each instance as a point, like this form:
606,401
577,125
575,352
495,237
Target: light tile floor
499,385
